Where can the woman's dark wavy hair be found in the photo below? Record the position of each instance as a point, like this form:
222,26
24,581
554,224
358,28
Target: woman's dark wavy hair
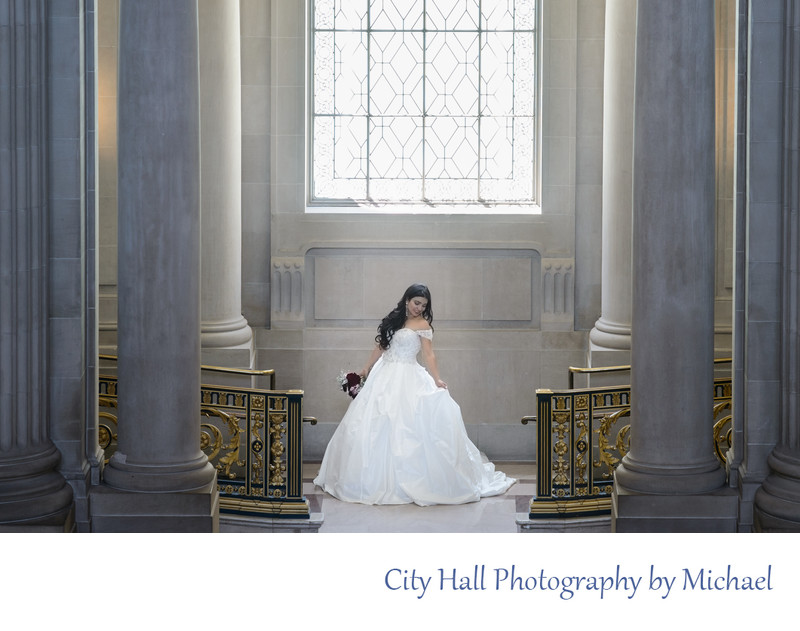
397,318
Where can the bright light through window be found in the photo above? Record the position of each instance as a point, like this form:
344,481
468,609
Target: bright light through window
423,101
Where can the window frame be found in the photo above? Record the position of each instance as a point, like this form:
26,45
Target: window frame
472,207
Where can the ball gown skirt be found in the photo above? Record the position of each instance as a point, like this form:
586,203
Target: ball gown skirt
403,440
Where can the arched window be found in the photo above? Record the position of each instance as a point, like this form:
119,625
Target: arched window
423,102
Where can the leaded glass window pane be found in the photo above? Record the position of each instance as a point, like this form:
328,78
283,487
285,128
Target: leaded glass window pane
423,101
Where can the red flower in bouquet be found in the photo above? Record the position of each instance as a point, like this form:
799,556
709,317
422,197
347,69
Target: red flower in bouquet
350,382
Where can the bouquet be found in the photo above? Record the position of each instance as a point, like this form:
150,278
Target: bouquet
350,382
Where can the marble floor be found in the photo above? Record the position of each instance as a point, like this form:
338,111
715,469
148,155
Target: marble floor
498,514
491,514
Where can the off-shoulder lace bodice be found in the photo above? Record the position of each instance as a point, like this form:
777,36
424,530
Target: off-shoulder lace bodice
405,345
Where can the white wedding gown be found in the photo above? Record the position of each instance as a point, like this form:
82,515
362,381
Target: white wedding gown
403,440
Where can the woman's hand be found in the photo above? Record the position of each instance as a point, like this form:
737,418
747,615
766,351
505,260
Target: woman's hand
441,384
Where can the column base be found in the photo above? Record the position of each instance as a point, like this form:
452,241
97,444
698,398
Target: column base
777,503
226,334
566,524
717,511
112,510
611,335
34,497
178,478
239,523
62,521
682,480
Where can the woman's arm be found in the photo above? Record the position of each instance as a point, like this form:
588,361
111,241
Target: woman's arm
430,361
376,353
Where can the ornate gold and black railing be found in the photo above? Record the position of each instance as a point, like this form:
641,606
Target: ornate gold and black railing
582,435
252,437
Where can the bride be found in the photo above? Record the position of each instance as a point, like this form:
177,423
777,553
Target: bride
402,439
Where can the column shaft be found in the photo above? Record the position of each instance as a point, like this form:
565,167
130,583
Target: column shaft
777,502
159,251
613,329
33,495
223,325
673,252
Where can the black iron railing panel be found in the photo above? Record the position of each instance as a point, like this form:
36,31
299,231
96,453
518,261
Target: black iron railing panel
582,435
252,437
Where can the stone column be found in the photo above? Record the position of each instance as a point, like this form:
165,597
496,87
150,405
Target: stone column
226,337
72,244
33,494
163,480
668,478
777,502
613,329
